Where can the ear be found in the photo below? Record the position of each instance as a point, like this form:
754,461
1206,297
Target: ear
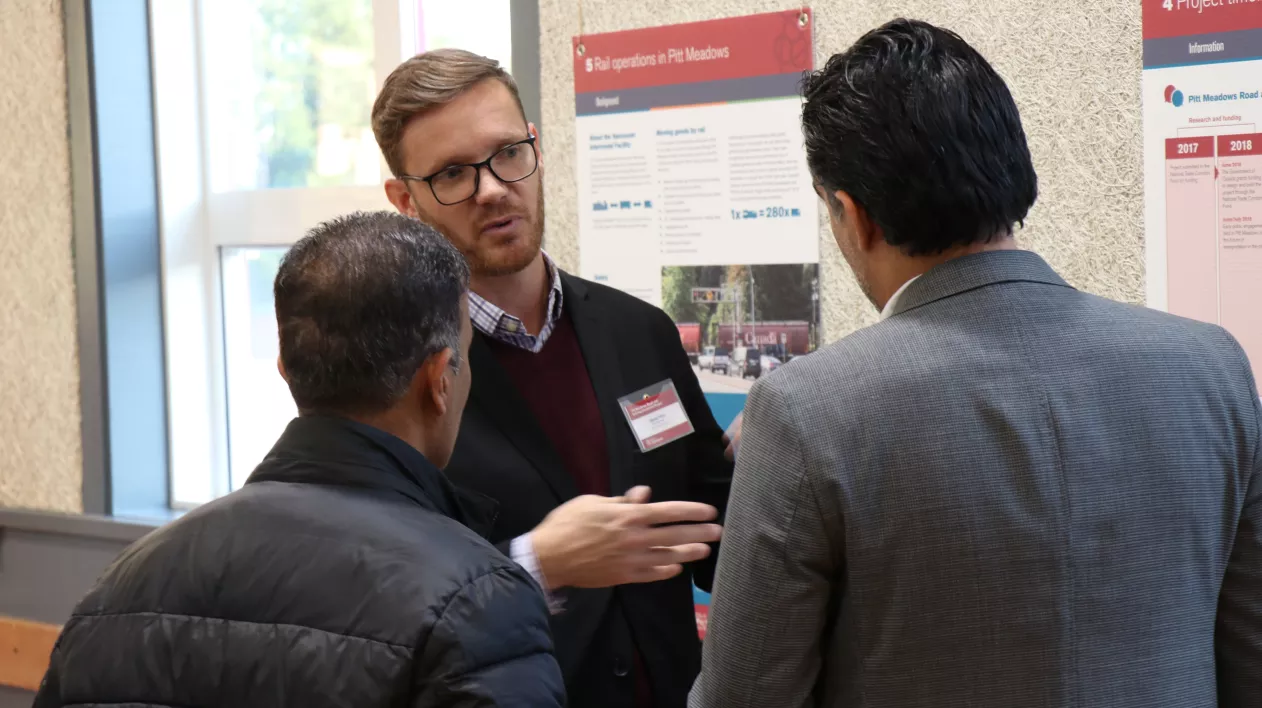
867,232
435,378
533,130
399,195
280,368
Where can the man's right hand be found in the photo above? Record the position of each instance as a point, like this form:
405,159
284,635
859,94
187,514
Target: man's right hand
596,542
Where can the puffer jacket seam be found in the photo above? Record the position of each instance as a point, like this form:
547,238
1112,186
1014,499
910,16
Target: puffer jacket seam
346,635
455,595
123,703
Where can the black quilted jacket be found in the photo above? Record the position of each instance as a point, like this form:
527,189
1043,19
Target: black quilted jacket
339,575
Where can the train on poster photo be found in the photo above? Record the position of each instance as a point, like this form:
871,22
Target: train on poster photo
742,321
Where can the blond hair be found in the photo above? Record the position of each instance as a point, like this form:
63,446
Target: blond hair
424,82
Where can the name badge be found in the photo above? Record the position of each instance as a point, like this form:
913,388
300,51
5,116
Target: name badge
656,415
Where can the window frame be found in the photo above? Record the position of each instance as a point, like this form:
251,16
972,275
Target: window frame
118,272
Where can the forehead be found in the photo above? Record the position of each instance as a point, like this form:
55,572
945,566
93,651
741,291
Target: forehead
468,129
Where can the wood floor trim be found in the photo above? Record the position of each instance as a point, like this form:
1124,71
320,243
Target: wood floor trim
24,651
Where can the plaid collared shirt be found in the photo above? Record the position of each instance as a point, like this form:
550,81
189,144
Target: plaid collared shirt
501,326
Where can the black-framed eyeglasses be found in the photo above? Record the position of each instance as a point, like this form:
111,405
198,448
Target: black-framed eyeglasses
457,183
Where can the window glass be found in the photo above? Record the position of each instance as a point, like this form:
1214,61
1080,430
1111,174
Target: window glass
289,92
259,404
480,26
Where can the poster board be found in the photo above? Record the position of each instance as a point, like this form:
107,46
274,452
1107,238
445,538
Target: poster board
1202,99
694,193
692,175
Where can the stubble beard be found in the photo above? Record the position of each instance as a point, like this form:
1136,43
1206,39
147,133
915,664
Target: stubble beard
496,268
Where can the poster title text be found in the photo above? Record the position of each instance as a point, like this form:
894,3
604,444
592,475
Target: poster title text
662,58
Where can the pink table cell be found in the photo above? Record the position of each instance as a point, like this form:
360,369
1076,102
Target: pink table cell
1191,228
1240,240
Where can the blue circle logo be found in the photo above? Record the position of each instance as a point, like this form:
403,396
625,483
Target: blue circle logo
1177,98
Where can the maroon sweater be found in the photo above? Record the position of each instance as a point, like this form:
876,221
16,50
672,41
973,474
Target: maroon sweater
558,390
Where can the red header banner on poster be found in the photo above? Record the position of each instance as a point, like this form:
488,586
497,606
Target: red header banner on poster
734,48
1181,18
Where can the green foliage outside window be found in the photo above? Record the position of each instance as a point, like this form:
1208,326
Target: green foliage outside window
314,59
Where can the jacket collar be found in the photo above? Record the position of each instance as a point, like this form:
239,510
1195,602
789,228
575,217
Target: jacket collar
960,275
327,450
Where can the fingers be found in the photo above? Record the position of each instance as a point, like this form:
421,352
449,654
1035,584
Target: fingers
671,512
634,495
656,564
673,555
654,574
666,536
638,495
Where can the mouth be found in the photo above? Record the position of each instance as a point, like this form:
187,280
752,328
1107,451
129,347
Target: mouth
501,227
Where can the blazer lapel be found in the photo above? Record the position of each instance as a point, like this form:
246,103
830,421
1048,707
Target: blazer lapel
605,370
496,395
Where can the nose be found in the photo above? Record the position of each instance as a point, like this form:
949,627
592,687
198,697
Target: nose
490,188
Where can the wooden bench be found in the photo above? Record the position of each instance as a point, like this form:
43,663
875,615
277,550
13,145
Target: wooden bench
24,651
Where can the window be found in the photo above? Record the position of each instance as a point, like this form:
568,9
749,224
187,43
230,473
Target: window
449,23
263,129
289,85
259,405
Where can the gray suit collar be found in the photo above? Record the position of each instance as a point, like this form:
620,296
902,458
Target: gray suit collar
966,273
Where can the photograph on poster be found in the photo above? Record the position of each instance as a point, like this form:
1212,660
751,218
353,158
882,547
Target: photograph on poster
739,323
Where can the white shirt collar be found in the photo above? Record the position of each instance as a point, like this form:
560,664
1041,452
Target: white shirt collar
889,306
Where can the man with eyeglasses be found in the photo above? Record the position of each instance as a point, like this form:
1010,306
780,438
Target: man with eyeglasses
583,403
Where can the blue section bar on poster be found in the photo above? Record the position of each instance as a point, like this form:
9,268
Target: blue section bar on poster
1214,48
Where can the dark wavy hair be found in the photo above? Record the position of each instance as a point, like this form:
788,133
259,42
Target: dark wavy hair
921,132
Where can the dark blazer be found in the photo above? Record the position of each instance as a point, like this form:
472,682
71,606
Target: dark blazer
342,574
502,452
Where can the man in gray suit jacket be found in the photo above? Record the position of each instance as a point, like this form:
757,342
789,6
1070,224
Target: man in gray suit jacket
1006,494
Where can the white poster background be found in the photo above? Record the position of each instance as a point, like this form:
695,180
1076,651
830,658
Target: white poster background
693,167
1164,120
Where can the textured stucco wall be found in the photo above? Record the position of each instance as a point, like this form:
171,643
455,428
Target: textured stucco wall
40,464
1073,68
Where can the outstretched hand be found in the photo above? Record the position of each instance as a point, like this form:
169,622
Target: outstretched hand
593,541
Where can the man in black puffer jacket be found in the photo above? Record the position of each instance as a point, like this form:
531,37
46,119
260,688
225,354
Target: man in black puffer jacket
348,571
